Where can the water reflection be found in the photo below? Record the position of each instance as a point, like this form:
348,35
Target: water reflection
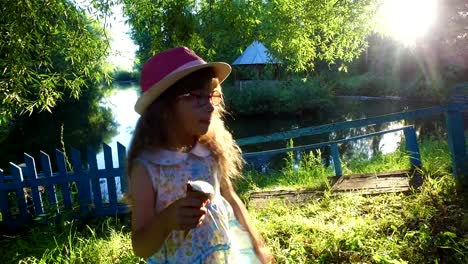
121,103
94,120
345,110
390,141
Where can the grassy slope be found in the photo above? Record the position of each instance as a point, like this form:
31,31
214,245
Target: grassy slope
426,226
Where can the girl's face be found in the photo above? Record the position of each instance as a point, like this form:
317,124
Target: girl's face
194,111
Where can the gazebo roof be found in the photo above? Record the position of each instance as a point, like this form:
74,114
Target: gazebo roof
255,53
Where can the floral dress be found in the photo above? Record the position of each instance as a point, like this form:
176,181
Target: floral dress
220,238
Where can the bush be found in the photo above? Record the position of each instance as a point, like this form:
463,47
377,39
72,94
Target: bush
277,97
362,85
121,75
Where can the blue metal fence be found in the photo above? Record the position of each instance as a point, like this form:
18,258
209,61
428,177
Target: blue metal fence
410,141
453,111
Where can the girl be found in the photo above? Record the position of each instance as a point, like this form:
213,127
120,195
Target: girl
179,138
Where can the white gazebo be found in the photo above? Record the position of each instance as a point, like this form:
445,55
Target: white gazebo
256,55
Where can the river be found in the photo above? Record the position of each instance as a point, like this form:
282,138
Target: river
114,118
123,98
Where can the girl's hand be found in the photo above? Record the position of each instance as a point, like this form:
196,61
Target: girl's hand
186,213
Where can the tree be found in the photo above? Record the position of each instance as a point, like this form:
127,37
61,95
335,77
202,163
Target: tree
159,25
301,33
49,51
436,61
227,27
297,32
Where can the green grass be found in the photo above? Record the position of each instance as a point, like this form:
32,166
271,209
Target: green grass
105,241
423,227
312,174
426,226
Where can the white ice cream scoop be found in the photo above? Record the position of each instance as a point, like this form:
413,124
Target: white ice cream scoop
200,186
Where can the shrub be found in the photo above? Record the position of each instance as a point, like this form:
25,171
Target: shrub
277,97
363,85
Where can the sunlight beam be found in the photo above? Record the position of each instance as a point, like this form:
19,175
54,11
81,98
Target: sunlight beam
407,20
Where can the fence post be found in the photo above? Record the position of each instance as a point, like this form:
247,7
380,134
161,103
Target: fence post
18,179
32,175
336,159
62,173
50,188
94,176
111,188
412,146
456,141
123,178
84,190
4,207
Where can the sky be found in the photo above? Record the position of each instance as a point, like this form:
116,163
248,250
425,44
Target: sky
122,47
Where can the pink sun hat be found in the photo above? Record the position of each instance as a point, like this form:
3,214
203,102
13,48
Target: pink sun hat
166,68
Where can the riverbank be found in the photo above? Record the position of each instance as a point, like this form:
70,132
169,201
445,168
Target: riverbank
389,98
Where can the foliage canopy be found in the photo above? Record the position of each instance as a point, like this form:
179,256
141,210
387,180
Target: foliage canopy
49,51
299,33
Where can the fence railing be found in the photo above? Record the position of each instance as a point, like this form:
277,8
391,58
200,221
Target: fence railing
454,125
29,193
409,133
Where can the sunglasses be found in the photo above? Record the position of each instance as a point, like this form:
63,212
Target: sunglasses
215,98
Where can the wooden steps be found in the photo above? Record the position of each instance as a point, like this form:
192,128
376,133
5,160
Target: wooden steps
367,184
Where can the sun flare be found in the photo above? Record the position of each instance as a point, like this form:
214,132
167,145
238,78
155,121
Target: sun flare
407,20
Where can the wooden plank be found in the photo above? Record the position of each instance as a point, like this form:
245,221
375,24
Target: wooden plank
262,199
17,175
111,188
4,206
283,193
84,189
31,173
93,175
372,183
63,174
49,187
122,165
307,131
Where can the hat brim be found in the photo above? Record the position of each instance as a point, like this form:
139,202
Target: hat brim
222,71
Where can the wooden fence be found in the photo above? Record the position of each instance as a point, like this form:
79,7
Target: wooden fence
27,194
79,191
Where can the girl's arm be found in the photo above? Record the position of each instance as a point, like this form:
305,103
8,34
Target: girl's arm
227,191
151,229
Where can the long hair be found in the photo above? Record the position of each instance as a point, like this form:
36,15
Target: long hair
151,130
